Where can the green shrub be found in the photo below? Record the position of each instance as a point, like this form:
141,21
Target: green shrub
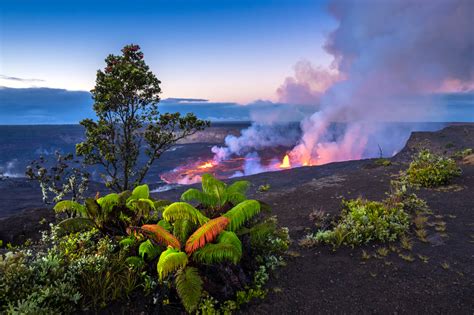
363,221
65,274
462,154
431,170
383,162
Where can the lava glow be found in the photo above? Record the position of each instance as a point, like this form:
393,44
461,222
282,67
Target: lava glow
206,165
286,162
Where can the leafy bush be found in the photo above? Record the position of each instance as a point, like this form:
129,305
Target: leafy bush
363,221
431,170
64,274
462,154
112,213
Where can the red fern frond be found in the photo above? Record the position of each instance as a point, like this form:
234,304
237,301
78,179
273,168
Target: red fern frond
206,233
161,236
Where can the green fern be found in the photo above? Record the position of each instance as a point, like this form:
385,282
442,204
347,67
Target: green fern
182,229
193,194
236,191
135,261
74,225
189,288
140,192
70,207
184,211
107,203
241,213
148,251
170,261
166,225
215,188
227,248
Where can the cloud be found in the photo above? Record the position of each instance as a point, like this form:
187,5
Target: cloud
183,100
9,78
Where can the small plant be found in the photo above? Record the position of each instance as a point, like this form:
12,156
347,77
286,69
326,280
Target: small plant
382,251
462,154
383,162
424,259
365,255
421,234
363,221
445,265
264,188
406,242
66,176
407,257
430,170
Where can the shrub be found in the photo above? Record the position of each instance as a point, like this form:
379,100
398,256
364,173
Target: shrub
363,221
65,274
431,170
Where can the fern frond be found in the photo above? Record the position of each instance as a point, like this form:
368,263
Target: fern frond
107,203
148,251
236,191
165,224
70,206
140,192
242,212
206,234
182,228
189,288
141,205
171,260
161,236
184,211
193,194
214,188
74,225
227,248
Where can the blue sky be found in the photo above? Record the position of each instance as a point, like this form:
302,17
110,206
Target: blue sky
236,51
265,54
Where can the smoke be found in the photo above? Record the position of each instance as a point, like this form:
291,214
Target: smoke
393,55
9,169
390,58
258,136
308,84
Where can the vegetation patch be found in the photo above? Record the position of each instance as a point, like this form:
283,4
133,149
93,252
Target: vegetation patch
363,221
430,170
210,256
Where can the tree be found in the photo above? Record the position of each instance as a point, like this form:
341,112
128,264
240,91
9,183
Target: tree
129,126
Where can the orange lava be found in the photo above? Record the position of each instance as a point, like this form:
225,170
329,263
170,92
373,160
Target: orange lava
286,162
206,165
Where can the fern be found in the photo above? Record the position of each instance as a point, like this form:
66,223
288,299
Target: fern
69,206
236,191
135,261
140,192
206,234
215,188
189,288
193,194
171,260
148,251
182,229
161,236
74,225
107,203
184,211
141,205
166,225
242,212
227,248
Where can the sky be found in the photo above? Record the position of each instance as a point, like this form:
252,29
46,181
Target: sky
223,51
227,60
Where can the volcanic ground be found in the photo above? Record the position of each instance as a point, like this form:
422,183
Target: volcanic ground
440,279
